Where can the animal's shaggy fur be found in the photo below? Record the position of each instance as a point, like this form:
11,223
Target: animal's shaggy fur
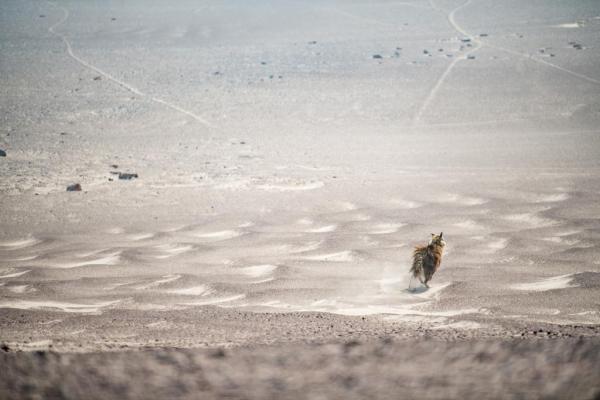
427,259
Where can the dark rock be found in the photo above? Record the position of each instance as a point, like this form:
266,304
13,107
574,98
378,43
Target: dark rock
42,16
4,347
377,56
263,63
97,78
483,35
471,57
218,353
114,166
312,42
351,344
127,176
2,153
113,19
76,187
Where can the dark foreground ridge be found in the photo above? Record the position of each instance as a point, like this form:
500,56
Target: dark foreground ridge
426,369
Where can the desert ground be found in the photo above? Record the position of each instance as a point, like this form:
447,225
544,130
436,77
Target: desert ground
254,177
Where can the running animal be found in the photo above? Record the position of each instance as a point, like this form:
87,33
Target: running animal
427,259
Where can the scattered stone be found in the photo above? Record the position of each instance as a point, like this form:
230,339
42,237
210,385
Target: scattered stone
114,166
218,353
217,73
263,63
377,56
350,344
113,19
42,16
425,52
4,347
63,134
470,57
110,179
483,35
97,78
312,42
2,153
76,187
127,176
465,40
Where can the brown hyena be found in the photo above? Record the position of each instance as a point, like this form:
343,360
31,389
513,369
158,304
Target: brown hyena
427,259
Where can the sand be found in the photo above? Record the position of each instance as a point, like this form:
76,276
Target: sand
289,156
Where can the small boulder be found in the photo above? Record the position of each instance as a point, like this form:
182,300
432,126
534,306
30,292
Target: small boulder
97,78
76,187
377,56
127,176
2,153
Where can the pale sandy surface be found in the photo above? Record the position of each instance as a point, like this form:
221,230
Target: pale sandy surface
285,174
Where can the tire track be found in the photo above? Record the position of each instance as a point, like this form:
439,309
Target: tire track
479,44
438,84
119,82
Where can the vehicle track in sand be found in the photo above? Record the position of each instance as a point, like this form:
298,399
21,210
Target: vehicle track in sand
479,44
438,84
124,85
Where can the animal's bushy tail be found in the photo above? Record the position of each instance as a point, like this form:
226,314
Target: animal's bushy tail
417,264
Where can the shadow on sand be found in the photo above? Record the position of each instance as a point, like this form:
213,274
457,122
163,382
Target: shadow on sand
417,290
